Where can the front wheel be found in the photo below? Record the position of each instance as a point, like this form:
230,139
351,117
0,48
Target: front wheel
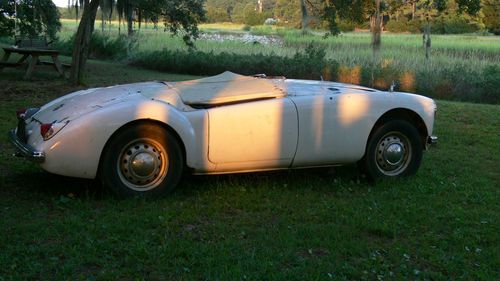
394,150
142,160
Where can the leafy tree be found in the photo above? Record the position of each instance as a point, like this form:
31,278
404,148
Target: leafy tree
471,7
6,18
331,10
177,15
253,17
288,12
217,15
491,12
249,14
33,18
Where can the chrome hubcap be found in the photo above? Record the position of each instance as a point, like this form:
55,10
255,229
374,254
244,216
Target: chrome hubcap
142,165
393,154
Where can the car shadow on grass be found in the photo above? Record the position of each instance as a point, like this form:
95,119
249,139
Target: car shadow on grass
36,182
32,181
329,179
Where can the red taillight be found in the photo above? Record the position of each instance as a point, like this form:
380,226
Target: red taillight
44,129
21,112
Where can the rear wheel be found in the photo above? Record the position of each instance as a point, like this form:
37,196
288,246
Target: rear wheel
394,150
142,160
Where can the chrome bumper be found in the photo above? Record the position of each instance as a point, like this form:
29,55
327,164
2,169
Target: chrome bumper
432,140
25,150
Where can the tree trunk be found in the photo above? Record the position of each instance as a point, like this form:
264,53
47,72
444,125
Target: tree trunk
413,9
110,17
427,39
304,15
139,18
82,41
376,29
130,28
102,21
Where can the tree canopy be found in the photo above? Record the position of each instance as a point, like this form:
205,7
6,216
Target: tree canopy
176,15
33,18
332,14
491,12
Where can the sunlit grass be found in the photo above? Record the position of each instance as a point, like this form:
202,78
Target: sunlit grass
225,26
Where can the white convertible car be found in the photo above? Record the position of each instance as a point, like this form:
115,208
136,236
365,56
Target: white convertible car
140,138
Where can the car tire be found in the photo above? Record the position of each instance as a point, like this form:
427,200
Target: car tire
394,150
142,160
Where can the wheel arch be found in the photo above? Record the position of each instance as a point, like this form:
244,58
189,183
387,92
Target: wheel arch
137,122
402,114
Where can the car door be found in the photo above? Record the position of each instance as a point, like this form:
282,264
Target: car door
333,127
254,135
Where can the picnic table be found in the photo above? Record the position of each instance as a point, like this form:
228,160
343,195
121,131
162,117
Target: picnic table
33,54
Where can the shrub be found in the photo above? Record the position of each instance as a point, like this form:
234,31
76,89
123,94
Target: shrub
106,47
415,26
307,64
101,46
397,25
217,15
246,27
490,85
453,25
346,26
441,25
491,20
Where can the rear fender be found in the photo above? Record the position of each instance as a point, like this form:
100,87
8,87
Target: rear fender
83,139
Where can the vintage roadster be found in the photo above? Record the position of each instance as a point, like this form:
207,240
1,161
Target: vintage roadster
140,138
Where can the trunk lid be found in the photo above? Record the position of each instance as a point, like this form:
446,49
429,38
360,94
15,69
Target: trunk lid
79,103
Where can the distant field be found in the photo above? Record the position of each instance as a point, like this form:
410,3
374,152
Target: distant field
71,24
462,67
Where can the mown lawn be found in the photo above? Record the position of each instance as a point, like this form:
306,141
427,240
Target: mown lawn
316,224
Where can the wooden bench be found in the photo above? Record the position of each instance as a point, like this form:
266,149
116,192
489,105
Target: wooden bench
33,55
64,65
40,43
9,64
31,49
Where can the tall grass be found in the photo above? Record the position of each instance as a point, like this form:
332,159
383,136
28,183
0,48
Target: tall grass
462,67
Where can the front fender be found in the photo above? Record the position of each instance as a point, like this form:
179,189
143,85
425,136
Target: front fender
424,107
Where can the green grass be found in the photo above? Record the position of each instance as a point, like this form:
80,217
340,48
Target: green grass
315,224
351,48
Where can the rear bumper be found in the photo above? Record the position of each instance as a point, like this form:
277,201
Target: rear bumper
432,140
25,150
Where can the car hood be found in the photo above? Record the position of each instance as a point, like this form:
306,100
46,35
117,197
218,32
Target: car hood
296,87
74,105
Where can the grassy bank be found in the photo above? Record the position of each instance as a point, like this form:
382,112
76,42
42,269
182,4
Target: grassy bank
318,224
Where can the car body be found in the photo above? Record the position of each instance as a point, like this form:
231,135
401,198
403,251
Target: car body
227,123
